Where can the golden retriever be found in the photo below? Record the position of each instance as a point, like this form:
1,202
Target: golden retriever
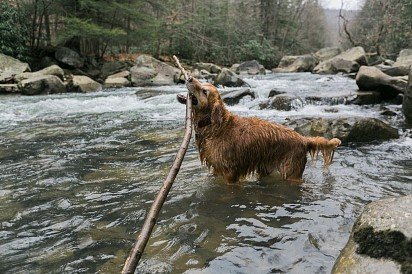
235,146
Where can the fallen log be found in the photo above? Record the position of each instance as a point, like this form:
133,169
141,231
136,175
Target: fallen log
151,218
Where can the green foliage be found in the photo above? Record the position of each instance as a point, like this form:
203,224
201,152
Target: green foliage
75,27
263,52
14,31
384,26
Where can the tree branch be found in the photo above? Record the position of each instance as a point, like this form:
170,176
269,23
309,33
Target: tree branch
151,218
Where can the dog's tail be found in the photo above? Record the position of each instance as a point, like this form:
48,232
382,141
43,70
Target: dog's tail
327,147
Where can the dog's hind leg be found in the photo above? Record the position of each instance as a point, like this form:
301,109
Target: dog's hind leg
230,178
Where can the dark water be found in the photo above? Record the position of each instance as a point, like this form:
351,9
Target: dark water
78,172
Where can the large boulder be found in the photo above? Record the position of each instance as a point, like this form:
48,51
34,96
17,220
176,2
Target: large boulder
82,83
233,97
69,58
400,67
209,67
110,68
229,79
407,99
347,62
116,82
10,67
354,129
284,102
149,71
42,84
371,78
302,63
251,67
381,239
122,74
52,70
327,53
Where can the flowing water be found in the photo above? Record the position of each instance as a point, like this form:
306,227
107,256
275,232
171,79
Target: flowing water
79,171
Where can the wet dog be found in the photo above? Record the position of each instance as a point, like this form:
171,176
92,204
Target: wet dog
234,146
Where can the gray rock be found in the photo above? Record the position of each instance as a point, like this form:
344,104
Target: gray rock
69,57
122,74
366,98
275,92
110,68
52,70
47,61
229,79
149,71
302,63
347,62
399,70
119,82
407,99
43,84
82,83
233,97
380,239
371,78
209,67
10,67
285,102
8,88
405,53
327,53
251,67
234,67
402,64
354,129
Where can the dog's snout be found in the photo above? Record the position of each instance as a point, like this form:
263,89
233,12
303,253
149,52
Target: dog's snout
190,79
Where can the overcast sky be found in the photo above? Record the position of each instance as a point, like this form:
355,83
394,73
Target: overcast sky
347,4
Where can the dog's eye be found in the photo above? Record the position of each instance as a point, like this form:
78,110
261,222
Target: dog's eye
204,91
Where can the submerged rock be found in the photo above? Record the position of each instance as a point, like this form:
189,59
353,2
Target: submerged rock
302,63
229,79
356,129
285,102
275,92
149,71
233,97
407,99
381,239
43,84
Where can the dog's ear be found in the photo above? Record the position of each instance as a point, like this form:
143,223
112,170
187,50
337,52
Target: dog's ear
217,114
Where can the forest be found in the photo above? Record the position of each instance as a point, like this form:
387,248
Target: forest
223,32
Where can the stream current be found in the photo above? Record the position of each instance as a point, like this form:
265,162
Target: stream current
79,171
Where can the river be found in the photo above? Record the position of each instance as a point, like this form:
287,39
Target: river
79,171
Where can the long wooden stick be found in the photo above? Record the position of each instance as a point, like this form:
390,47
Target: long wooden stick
150,221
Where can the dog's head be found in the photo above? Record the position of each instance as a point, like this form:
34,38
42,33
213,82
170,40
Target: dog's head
206,100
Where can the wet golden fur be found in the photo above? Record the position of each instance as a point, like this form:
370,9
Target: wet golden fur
235,146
